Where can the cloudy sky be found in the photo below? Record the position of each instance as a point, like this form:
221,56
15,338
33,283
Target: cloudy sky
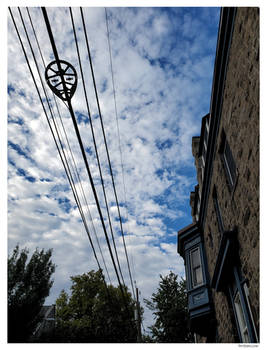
162,62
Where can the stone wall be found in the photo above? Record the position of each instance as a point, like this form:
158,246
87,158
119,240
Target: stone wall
240,207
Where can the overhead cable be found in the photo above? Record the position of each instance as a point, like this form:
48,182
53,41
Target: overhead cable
78,179
119,140
51,129
81,147
95,146
104,137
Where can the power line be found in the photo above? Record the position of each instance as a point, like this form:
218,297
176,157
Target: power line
119,140
81,144
41,100
105,141
71,153
95,146
64,156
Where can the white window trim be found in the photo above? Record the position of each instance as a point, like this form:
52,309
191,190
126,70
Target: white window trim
242,324
251,315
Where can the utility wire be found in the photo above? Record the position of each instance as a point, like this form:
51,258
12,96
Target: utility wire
81,147
51,112
119,140
51,129
95,146
71,153
84,197
62,148
104,136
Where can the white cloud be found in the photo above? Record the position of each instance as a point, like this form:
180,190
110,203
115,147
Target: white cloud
163,83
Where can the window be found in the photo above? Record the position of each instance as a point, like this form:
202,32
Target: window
198,209
198,203
241,319
244,320
202,170
250,311
217,210
196,267
204,142
228,162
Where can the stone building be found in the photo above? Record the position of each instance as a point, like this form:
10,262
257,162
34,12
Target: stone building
221,246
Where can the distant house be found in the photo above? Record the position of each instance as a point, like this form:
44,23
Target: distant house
48,314
221,247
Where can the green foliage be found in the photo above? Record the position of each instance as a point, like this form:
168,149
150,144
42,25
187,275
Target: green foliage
169,305
94,312
28,286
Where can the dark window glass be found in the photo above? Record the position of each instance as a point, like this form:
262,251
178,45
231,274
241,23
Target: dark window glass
228,162
217,210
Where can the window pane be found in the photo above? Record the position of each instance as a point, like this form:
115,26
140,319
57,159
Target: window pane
230,163
196,267
241,319
195,258
239,310
198,278
250,311
217,210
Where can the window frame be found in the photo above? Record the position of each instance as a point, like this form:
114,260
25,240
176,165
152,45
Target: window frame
193,269
237,288
229,163
197,203
217,210
246,291
204,143
241,319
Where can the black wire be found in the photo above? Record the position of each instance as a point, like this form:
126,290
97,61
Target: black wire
37,89
72,156
82,148
84,197
62,148
37,42
95,146
104,136
116,113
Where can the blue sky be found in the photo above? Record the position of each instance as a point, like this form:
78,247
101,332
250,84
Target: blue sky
163,62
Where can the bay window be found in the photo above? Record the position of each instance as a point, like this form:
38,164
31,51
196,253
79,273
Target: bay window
200,307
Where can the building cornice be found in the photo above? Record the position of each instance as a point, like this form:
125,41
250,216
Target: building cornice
186,234
220,70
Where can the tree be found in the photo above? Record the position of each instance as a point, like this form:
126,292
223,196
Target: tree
28,286
169,305
95,312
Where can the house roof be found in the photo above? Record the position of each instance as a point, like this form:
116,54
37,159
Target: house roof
48,311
